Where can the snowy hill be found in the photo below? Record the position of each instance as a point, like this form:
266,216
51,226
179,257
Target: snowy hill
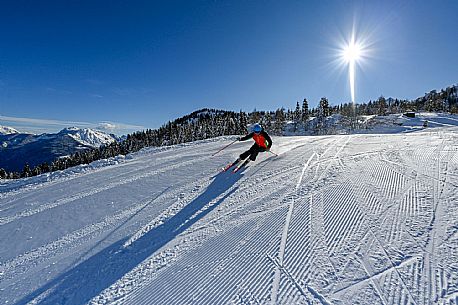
392,123
17,149
87,136
342,219
4,130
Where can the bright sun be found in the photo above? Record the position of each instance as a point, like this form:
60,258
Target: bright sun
352,52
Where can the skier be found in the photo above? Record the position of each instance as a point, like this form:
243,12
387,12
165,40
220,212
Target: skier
263,142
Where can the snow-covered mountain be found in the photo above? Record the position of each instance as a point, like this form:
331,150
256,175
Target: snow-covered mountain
17,149
4,130
336,219
87,136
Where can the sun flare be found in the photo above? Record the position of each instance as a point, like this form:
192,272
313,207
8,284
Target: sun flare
351,53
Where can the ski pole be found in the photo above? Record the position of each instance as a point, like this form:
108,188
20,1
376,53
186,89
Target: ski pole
225,146
273,153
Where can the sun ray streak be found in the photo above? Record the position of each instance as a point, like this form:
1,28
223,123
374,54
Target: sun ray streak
351,69
351,54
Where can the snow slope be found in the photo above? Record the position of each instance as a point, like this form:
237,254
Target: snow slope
349,219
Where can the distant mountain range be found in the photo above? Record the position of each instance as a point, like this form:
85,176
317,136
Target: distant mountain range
17,149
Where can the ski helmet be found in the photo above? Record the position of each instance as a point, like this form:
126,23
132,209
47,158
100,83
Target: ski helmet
257,128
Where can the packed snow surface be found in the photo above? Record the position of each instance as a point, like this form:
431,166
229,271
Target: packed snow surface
346,219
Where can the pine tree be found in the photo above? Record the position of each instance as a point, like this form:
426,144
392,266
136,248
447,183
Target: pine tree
254,117
243,123
3,174
280,121
36,171
324,109
297,116
44,167
26,172
323,113
266,121
305,113
382,106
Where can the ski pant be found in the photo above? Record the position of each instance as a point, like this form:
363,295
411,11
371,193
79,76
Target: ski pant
252,152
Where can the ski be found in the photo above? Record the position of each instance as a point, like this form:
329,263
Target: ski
224,169
241,165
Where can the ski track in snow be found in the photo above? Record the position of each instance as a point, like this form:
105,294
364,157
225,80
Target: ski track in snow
360,219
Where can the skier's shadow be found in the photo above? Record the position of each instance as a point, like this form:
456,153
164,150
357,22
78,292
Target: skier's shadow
89,278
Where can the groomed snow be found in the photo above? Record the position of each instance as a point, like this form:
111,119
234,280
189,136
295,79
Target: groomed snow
347,219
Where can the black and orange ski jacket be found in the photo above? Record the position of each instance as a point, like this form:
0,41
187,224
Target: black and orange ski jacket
262,139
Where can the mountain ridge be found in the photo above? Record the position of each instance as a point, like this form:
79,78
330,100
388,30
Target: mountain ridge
18,149
4,130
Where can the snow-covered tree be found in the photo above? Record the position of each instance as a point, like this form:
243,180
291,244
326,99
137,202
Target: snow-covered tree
266,122
305,113
381,106
243,122
3,174
297,116
280,121
26,172
324,107
254,117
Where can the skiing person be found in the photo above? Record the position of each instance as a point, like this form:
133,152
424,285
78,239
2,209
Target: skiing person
262,142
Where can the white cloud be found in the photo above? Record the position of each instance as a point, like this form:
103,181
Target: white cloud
107,127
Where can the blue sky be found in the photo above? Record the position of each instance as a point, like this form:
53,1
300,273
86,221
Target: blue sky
138,64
